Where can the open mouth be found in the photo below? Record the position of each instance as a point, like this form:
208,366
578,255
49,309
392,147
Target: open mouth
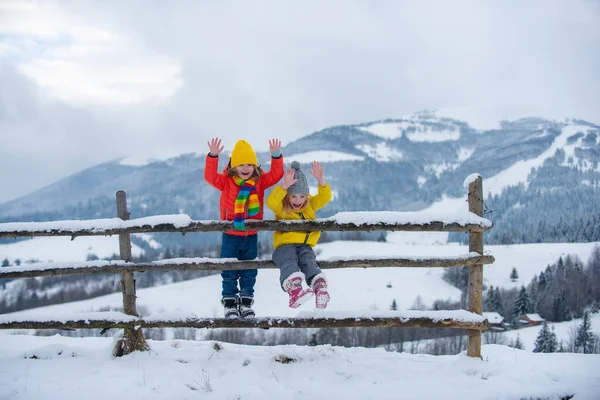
297,206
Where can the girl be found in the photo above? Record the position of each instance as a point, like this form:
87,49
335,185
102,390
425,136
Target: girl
242,186
293,250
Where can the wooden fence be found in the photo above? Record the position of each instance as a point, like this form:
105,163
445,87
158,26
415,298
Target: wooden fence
130,320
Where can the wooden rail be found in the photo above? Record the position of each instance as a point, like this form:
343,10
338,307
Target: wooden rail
189,264
97,227
264,323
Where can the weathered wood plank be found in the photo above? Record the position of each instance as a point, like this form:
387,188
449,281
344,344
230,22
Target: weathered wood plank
476,271
183,265
133,339
263,323
264,225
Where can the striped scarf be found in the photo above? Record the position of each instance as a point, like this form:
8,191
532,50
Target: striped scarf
247,194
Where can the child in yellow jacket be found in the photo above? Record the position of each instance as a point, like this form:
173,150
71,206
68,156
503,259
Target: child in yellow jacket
294,253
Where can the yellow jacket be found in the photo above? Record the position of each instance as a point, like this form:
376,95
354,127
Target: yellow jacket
275,203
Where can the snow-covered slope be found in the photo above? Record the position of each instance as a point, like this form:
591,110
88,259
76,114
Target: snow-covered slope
71,368
351,289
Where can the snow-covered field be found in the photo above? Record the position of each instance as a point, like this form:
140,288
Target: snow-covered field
62,249
74,368
82,368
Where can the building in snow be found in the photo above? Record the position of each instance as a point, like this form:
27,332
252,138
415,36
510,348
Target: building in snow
531,320
496,321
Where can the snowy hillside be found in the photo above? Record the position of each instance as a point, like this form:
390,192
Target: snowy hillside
351,289
72,368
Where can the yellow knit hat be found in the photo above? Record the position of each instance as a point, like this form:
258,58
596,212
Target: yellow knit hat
243,154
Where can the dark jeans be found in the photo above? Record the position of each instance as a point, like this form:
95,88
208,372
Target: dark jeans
242,248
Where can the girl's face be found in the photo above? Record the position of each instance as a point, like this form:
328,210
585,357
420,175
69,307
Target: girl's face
297,201
244,171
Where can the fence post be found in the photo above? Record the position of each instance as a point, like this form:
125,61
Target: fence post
476,271
133,338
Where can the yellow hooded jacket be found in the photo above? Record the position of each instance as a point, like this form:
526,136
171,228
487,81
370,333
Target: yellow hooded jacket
275,203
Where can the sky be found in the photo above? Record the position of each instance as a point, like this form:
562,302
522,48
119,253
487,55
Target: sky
87,82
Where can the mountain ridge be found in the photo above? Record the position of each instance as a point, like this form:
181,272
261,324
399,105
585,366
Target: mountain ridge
403,164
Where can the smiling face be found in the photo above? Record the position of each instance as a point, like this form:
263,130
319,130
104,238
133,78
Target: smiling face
297,201
244,171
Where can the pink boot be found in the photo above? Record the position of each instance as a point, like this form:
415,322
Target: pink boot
298,295
319,286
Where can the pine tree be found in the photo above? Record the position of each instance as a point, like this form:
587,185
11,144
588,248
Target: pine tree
517,344
522,304
546,340
5,262
488,303
584,340
560,308
394,305
514,275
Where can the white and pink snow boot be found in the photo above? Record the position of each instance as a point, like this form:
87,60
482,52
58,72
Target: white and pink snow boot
293,286
319,286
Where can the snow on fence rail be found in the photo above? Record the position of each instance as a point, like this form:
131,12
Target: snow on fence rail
391,319
219,264
470,221
344,221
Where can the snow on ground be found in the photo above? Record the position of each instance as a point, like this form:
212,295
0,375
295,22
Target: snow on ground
388,130
426,134
352,290
323,156
82,368
529,260
159,154
381,152
519,171
62,249
565,332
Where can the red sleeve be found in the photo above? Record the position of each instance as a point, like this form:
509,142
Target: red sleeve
211,175
270,178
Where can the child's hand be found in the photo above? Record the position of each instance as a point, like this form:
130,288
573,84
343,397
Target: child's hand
288,179
317,172
215,147
275,146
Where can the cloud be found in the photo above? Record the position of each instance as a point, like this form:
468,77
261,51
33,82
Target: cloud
80,61
172,75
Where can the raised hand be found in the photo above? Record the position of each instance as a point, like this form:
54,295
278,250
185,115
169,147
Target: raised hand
274,145
317,172
215,147
288,179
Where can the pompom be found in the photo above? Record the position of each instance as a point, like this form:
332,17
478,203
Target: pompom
295,165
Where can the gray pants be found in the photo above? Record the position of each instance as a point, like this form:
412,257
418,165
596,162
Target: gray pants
292,258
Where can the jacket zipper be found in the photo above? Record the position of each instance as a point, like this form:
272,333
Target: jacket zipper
307,233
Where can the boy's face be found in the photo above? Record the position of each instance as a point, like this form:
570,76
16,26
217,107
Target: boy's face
297,201
244,171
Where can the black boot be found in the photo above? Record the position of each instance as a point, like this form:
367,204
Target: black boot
230,305
246,310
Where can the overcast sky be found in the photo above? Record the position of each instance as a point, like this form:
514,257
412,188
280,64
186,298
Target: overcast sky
83,82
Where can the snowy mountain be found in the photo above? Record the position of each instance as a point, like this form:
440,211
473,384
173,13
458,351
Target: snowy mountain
532,168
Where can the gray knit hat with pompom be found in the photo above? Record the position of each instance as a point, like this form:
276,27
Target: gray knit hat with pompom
301,185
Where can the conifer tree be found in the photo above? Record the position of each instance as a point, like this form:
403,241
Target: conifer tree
522,304
514,275
546,340
584,340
